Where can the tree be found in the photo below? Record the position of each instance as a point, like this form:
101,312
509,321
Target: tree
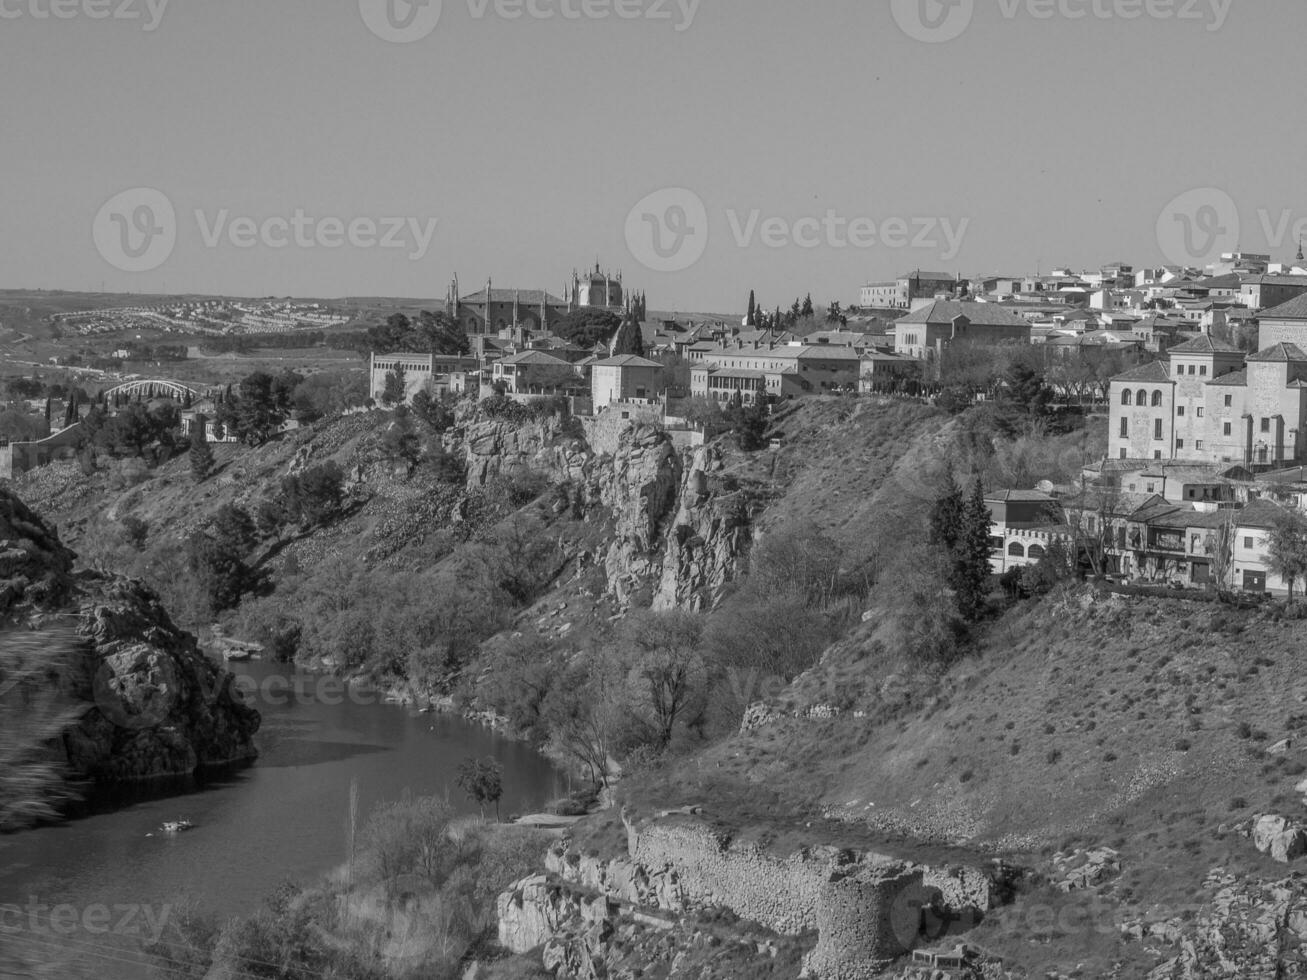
261,406
806,309
435,412
483,782
312,497
201,454
219,558
628,339
587,327
666,679
947,513
1286,548
971,569
395,391
1026,388
751,319
439,333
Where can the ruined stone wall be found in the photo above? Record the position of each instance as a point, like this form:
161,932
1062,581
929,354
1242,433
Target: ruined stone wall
781,893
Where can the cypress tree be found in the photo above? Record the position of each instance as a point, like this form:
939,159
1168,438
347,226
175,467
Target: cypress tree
752,319
971,569
946,514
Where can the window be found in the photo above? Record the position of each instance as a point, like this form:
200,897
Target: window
1179,444
1266,425
1200,412
1142,397
1157,454
1125,429
1126,397
1157,428
1015,550
1157,399
1179,370
1151,488
1248,543
1226,429
1198,444
1229,400
1180,410
1123,454
1191,369
1202,370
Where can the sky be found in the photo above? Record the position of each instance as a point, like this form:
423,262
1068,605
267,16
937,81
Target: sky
331,148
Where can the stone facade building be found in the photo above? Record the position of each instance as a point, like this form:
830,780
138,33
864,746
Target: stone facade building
1206,402
926,332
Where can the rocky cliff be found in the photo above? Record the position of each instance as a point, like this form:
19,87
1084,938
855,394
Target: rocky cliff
146,703
680,529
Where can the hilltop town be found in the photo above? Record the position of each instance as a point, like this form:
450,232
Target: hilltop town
1193,381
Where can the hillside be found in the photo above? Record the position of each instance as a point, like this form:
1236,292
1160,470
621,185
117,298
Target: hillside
1157,728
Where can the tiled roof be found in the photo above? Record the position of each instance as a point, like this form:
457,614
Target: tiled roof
1295,309
535,357
1260,513
1019,496
1204,345
978,314
1279,353
627,360
1234,379
1152,371
525,297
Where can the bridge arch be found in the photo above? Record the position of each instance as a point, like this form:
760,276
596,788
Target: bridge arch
175,389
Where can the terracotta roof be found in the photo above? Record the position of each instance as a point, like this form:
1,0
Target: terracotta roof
1204,345
1260,513
1279,353
525,297
1234,379
1152,371
535,357
626,360
1295,309
979,314
1019,496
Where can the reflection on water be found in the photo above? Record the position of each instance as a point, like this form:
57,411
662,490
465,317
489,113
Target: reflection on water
285,818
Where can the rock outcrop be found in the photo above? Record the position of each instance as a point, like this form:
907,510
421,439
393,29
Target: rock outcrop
1250,928
710,538
680,532
147,703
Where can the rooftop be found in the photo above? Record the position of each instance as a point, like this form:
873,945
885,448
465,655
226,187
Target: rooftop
1204,345
978,314
1295,309
1152,371
1279,353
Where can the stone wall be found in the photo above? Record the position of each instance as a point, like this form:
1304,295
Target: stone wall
865,909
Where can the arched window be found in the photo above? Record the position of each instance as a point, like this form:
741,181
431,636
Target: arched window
1015,550
1142,397
1036,551
1127,398
1157,399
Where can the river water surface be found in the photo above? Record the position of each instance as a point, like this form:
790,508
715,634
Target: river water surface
285,818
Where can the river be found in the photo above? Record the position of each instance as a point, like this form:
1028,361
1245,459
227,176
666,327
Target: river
283,819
